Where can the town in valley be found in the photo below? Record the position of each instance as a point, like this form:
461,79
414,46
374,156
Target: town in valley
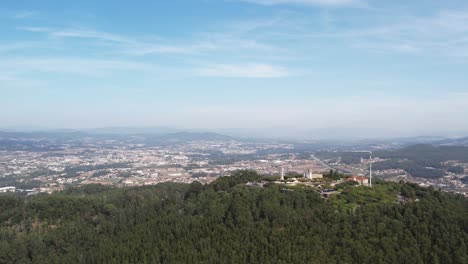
32,163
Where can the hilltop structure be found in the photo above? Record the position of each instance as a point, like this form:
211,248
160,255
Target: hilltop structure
359,179
311,176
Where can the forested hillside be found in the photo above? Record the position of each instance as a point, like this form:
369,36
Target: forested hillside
229,222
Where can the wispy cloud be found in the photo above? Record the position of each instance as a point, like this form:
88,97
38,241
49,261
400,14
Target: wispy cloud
198,43
25,14
205,46
78,33
127,45
4,77
444,33
330,3
252,70
270,40
16,46
79,66
139,48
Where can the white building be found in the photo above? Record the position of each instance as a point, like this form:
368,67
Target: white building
312,176
8,189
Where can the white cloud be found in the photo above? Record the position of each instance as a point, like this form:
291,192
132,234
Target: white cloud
80,66
331,3
78,33
145,45
5,77
36,29
252,70
148,48
443,33
124,44
25,14
16,46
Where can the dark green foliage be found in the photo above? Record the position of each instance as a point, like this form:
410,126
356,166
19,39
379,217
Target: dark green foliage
24,184
346,184
229,222
292,174
334,175
413,168
88,189
427,153
423,160
239,177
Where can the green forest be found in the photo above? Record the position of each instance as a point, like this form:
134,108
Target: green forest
230,222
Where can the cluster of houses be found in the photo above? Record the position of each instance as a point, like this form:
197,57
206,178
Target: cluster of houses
313,179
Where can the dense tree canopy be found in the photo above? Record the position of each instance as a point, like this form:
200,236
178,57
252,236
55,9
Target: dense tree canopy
229,222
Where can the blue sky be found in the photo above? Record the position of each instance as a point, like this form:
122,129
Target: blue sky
383,68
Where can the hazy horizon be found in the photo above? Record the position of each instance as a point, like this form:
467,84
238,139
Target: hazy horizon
335,133
279,68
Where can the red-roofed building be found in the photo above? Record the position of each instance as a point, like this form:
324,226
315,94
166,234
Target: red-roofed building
359,179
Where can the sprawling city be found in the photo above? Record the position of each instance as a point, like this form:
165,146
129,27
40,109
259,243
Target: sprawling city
36,163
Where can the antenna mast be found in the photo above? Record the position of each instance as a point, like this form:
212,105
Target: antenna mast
370,170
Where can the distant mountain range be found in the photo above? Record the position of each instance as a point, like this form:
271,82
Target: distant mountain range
41,135
159,134
133,130
154,135
195,136
453,142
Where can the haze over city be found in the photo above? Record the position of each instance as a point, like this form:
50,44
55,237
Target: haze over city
318,68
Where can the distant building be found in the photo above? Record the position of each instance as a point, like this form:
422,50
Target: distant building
8,189
359,179
311,176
